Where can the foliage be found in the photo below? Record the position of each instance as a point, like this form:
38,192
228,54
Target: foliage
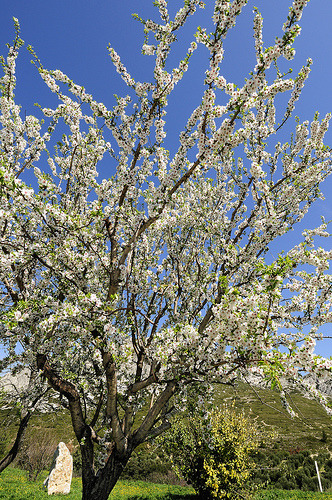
77,463
303,431
3,443
324,436
296,470
123,291
147,463
214,452
7,418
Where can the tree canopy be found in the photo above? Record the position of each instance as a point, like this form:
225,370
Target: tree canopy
126,290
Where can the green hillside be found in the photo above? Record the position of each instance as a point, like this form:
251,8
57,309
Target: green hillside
310,430
305,431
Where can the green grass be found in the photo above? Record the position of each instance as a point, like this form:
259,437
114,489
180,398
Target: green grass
292,495
14,486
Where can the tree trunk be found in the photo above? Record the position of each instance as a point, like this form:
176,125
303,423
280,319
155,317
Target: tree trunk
8,459
106,478
99,486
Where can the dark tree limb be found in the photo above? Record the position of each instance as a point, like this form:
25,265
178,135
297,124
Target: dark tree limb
12,454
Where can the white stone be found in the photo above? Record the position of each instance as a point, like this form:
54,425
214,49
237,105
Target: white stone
59,478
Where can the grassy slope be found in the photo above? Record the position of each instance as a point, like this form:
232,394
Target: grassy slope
57,423
304,432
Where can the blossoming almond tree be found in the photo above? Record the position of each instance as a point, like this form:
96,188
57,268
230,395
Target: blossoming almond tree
126,291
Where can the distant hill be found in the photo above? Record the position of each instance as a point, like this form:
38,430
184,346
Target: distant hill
305,431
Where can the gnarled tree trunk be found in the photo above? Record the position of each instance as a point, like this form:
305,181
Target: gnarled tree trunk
98,485
105,480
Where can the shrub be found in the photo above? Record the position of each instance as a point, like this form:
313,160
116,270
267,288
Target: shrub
77,462
285,483
146,464
324,437
294,471
214,452
275,460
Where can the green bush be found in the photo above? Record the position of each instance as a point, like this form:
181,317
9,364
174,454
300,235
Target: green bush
293,471
77,462
146,463
214,453
285,483
324,437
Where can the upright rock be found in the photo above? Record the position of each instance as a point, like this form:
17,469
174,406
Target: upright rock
59,478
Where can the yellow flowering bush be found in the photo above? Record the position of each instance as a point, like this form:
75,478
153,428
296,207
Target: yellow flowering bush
214,452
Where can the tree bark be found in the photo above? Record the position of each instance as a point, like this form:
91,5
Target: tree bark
10,457
107,477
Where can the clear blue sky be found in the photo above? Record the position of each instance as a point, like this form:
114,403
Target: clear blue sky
72,35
